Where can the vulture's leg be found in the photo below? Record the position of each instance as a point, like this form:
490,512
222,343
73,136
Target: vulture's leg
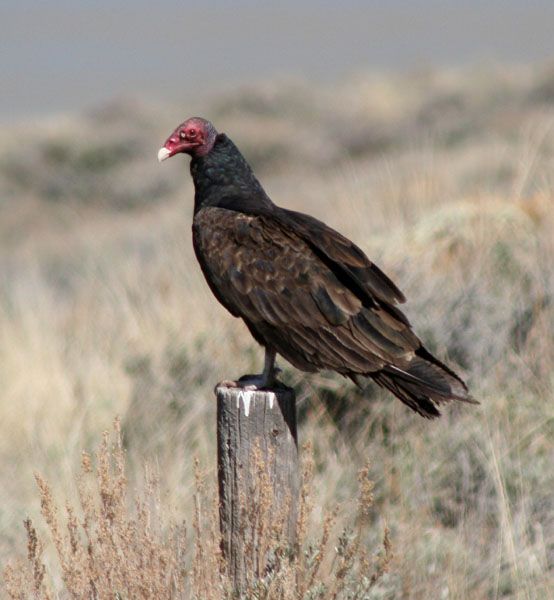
257,382
268,376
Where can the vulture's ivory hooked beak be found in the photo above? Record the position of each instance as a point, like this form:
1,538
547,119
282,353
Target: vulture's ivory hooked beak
163,153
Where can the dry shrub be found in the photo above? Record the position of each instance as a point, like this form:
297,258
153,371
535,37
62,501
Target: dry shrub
105,549
108,551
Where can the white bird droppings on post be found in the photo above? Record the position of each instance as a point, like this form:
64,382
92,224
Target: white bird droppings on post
246,396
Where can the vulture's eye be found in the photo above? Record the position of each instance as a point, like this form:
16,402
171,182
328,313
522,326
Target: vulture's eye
192,133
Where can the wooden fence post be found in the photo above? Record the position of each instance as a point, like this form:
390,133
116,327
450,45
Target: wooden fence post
258,476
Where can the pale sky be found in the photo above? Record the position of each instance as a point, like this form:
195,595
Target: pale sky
58,55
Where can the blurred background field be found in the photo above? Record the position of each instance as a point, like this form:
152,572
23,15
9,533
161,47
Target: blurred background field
444,176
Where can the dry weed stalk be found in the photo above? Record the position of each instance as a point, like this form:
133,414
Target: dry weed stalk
25,579
208,578
281,572
106,550
109,551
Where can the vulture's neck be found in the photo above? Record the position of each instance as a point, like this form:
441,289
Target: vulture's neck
223,178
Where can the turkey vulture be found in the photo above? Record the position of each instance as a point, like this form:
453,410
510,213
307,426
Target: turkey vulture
304,291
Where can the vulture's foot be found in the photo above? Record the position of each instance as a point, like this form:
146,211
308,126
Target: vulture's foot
252,382
262,381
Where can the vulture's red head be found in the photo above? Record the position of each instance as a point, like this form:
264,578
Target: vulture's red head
195,136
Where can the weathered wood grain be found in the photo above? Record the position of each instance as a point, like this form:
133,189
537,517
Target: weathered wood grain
258,475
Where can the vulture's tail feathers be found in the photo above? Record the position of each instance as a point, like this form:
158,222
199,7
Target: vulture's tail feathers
423,385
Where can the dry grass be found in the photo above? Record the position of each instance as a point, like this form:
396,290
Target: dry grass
445,179
103,550
106,550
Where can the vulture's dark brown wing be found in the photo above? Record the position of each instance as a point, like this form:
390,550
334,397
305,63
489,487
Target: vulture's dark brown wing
313,296
262,270
344,258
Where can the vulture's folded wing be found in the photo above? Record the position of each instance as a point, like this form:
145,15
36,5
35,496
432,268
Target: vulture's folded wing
291,292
